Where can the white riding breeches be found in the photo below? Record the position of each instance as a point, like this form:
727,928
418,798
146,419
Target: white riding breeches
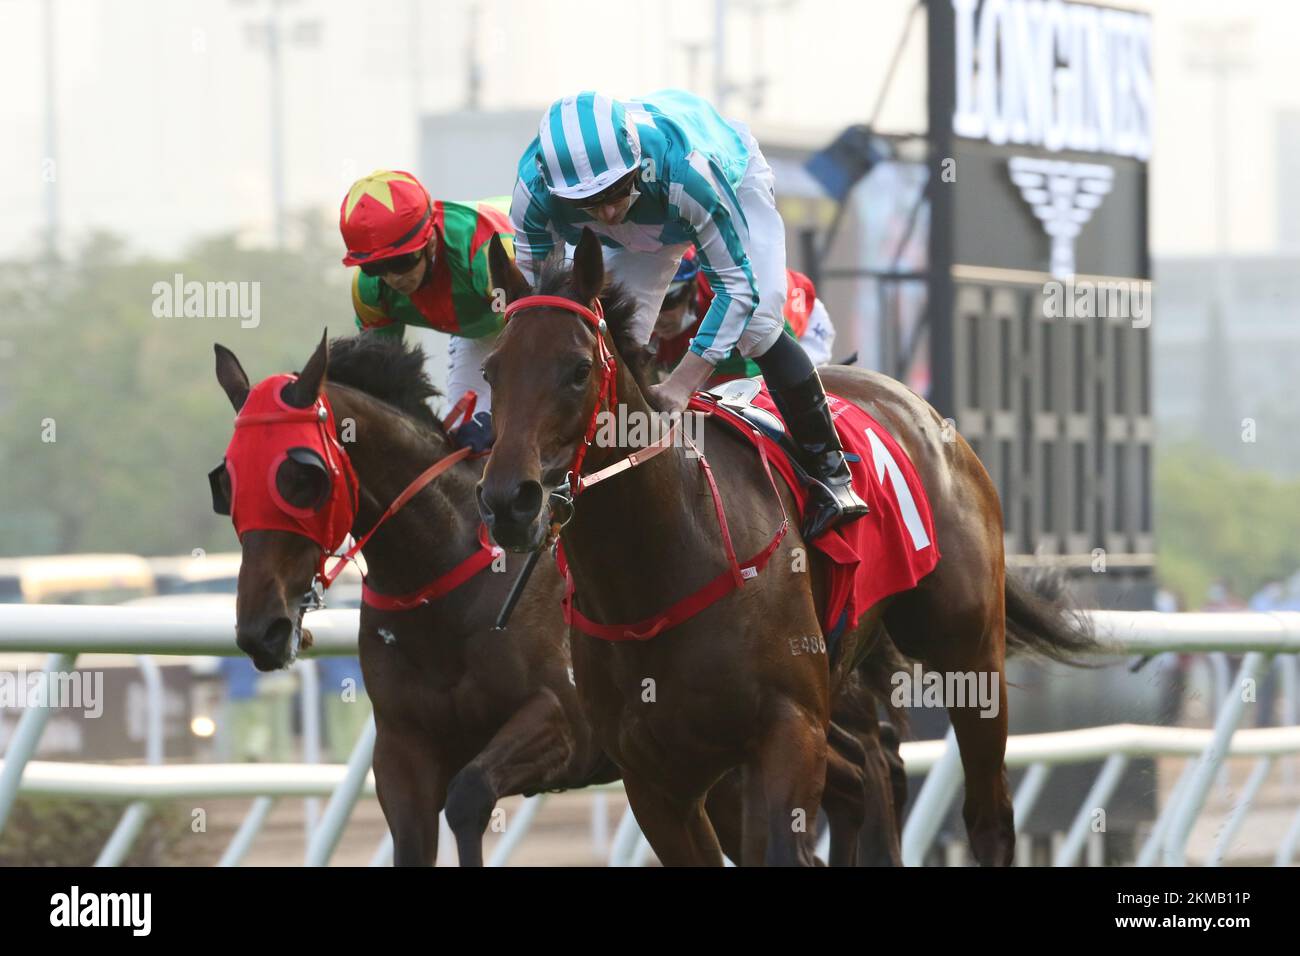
466,370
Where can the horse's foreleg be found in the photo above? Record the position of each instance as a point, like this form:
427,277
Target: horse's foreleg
845,800
529,752
679,833
879,841
411,785
787,778
725,805
893,754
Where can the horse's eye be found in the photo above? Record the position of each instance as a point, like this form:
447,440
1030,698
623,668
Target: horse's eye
582,373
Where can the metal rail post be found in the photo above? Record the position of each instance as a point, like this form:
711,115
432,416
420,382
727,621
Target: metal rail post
137,812
937,793
1150,851
1208,764
1238,815
330,830
625,839
309,687
27,738
1286,849
1027,794
252,823
516,830
1102,788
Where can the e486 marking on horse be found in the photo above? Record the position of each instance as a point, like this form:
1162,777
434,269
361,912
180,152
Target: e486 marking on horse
813,644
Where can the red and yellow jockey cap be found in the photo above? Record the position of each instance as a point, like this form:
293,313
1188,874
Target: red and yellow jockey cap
385,214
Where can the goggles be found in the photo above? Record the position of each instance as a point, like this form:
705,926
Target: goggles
394,265
616,193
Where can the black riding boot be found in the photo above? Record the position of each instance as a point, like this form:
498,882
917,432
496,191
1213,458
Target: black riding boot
797,390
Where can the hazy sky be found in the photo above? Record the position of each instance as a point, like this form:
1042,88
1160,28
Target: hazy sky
163,112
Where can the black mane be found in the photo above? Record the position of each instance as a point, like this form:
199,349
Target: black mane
387,369
619,305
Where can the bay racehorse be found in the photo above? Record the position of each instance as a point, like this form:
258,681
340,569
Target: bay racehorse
726,687
464,714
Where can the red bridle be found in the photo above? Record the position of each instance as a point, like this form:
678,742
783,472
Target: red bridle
607,395
710,593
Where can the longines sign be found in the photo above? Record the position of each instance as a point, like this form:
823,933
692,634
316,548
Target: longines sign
1053,75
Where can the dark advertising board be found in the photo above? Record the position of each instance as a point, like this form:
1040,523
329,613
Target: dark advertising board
1041,126
1039,310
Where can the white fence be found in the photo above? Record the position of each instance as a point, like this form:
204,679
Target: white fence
65,632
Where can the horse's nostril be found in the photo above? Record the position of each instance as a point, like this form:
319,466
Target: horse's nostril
526,502
484,509
267,646
278,635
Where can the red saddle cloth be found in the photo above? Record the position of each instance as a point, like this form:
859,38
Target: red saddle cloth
879,554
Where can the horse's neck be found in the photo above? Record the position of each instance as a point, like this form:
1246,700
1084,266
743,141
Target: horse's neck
436,529
642,519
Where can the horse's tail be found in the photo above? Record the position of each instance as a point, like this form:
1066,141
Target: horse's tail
1043,620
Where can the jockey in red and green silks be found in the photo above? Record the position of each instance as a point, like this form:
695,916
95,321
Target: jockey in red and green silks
423,262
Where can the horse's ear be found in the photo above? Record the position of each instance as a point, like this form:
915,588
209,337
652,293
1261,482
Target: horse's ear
303,392
505,275
231,376
588,268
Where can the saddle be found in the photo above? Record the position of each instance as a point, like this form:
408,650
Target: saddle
737,396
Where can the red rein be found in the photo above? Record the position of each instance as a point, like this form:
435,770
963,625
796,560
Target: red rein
729,580
445,583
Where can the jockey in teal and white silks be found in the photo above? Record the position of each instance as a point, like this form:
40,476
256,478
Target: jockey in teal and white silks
653,177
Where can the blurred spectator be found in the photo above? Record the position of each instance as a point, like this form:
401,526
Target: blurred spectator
1220,597
1290,600
1268,598
1166,601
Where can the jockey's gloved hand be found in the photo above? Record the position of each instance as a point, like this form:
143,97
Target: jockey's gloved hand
476,433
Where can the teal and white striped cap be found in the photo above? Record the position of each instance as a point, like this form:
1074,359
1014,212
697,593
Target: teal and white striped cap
587,144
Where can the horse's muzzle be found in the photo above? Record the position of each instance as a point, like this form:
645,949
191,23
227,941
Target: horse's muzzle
269,646
514,514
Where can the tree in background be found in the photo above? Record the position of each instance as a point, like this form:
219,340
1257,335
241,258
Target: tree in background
110,416
1217,522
